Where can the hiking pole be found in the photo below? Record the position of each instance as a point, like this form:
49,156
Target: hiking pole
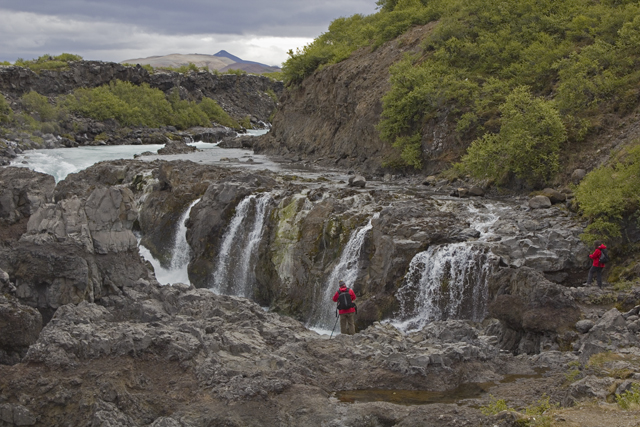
334,326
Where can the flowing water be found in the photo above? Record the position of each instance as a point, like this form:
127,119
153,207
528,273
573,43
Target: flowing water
237,254
180,254
449,281
346,270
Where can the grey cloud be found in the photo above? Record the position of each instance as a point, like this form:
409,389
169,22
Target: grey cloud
284,18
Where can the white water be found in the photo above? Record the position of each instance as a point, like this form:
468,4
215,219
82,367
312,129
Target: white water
180,254
346,270
449,281
234,274
60,162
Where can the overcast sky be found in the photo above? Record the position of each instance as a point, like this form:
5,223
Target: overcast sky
115,30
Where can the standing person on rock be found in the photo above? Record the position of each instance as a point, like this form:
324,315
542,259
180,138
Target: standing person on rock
598,262
347,309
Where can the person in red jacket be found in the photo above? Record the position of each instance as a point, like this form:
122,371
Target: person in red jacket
347,315
597,266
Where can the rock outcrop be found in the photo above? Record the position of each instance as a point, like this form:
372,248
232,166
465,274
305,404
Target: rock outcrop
238,95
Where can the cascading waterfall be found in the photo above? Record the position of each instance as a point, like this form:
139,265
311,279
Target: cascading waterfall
180,254
346,270
233,274
444,282
449,281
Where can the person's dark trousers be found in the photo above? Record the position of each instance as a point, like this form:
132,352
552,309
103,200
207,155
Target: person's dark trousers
598,271
348,323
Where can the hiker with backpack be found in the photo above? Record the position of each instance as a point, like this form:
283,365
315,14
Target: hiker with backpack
600,256
347,309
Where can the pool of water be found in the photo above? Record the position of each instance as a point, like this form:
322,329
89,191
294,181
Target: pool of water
424,397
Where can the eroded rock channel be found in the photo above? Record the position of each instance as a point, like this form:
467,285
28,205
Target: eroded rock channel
451,291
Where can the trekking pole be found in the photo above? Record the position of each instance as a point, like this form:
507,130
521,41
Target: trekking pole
334,326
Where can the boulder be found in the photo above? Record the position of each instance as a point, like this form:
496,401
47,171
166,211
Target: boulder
22,192
539,202
177,147
20,326
476,191
584,326
213,135
102,223
578,175
554,196
357,181
430,180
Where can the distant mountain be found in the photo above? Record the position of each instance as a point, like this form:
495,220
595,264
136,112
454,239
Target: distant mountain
221,61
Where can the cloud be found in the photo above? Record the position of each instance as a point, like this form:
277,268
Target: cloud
120,29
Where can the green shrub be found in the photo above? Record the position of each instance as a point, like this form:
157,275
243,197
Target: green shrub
581,56
245,122
609,193
629,399
495,406
216,114
33,102
48,62
237,72
6,113
527,145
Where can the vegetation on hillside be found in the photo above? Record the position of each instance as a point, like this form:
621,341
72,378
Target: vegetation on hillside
48,62
127,103
610,194
578,58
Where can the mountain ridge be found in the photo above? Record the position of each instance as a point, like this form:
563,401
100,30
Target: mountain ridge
222,61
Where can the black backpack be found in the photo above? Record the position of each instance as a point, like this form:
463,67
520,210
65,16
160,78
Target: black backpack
604,256
344,300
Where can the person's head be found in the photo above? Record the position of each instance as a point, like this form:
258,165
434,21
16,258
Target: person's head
597,244
342,284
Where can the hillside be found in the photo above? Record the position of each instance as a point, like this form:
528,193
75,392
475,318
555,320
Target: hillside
222,61
515,95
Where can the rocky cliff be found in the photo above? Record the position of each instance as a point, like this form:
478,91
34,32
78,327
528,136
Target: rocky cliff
238,95
331,117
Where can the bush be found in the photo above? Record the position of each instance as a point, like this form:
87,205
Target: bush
48,62
133,105
6,114
38,104
527,145
216,114
629,399
610,193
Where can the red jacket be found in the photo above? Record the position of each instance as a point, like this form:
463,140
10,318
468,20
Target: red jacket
353,298
595,256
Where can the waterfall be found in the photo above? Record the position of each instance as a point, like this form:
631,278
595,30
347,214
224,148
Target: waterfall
233,274
180,254
445,282
346,270
449,281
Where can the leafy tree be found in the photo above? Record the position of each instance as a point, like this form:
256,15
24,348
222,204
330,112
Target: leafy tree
527,145
609,193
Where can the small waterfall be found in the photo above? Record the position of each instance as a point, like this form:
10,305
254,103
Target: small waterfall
180,254
346,270
449,281
445,282
233,274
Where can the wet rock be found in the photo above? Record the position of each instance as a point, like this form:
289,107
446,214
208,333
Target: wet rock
430,180
476,191
177,147
539,202
357,181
